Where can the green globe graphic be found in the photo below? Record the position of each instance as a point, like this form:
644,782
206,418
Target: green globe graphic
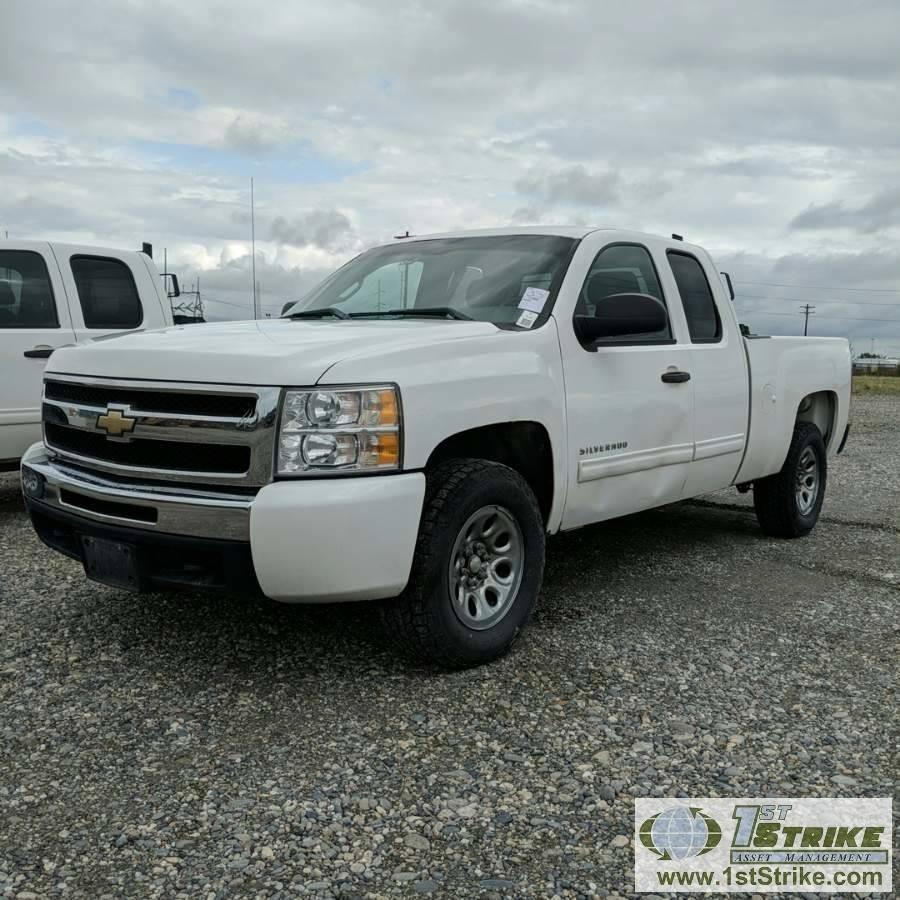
680,832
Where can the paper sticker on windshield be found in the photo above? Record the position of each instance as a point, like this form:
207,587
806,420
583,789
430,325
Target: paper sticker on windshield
527,319
534,299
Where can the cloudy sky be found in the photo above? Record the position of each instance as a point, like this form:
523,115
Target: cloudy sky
768,131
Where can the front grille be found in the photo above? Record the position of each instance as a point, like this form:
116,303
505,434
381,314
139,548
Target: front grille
237,489
218,437
108,507
181,456
233,406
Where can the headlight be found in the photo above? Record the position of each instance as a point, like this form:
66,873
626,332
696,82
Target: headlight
324,430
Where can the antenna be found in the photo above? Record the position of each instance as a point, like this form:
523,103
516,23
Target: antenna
253,250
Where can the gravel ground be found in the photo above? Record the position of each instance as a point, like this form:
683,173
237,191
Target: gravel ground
206,747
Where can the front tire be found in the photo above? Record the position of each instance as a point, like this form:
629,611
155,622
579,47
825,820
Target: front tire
788,503
477,569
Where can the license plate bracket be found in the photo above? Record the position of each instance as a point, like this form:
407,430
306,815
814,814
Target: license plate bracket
111,562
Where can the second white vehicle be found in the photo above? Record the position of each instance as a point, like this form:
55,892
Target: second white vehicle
55,295
416,426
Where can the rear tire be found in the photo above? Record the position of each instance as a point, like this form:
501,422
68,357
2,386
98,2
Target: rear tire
477,569
788,503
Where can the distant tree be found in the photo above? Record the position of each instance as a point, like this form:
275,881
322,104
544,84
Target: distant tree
871,356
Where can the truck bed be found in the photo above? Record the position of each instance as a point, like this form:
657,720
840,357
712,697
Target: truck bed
783,371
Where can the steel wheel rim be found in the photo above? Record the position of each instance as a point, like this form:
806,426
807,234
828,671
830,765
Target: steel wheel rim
486,567
807,481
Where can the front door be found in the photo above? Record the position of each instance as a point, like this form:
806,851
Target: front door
630,432
34,320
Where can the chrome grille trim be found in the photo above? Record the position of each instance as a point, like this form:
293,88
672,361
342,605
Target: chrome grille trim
257,432
185,511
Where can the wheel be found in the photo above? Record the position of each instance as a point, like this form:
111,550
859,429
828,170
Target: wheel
787,504
477,568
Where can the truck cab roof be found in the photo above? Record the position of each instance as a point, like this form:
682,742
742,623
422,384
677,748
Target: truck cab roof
572,231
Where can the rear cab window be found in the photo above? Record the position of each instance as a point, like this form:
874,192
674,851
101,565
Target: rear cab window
26,295
107,293
704,323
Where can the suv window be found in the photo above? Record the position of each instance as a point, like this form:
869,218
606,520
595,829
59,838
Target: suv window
622,269
703,320
106,290
26,297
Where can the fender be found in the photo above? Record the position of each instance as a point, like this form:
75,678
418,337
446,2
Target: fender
507,376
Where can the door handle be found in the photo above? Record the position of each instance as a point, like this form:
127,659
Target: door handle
675,377
41,352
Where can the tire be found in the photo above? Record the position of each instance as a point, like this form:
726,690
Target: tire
782,509
477,627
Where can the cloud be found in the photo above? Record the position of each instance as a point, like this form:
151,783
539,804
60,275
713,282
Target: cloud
880,212
327,228
226,284
455,114
573,186
254,135
528,215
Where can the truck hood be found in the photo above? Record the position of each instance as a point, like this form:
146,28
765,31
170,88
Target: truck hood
267,352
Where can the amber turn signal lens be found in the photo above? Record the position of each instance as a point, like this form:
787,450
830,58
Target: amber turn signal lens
388,449
387,402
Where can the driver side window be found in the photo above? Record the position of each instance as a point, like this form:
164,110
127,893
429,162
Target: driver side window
622,269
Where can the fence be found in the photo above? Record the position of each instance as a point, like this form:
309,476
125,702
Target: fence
876,367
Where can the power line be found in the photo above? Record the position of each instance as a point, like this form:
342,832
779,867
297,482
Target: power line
813,287
762,312
894,304
229,303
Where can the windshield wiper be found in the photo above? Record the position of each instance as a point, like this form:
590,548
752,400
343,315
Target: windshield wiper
332,311
433,312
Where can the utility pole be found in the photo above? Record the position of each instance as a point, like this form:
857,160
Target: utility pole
253,250
807,311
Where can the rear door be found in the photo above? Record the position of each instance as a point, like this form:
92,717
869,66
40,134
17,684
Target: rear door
630,433
34,320
718,369
108,292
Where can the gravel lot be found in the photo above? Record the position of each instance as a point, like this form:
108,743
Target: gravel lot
206,747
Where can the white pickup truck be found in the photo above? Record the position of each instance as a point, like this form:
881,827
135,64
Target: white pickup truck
416,426
54,295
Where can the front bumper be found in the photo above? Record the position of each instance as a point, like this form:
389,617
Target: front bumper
298,541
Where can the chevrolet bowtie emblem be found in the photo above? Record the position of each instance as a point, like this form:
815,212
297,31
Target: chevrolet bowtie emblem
115,424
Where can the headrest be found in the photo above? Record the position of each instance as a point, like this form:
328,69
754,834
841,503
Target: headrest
602,284
7,297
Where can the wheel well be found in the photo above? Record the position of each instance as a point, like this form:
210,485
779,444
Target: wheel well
523,446
819,408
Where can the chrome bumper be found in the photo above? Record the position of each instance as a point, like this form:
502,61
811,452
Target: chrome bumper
156,508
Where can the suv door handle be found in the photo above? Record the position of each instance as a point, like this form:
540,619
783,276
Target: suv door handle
675,377
40,352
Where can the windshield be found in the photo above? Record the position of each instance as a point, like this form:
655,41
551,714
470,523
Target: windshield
492,279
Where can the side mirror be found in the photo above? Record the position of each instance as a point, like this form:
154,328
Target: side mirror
175,290
620,315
